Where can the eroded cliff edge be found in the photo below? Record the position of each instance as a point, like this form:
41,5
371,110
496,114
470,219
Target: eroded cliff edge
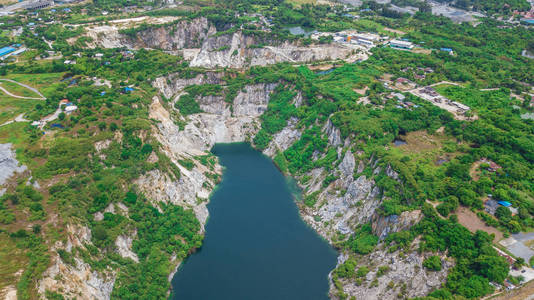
340,208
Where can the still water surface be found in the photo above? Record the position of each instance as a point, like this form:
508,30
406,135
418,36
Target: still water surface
256,245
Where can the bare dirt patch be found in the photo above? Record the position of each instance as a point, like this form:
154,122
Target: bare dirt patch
361,91
471,221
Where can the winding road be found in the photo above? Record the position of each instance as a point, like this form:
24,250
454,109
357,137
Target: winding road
23,85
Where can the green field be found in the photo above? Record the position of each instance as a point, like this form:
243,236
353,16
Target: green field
11,107
18,90
12,260
41,82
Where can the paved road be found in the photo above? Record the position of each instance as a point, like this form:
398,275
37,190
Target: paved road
14,7
516,245
26,86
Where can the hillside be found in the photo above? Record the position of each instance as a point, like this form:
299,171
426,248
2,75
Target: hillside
402,132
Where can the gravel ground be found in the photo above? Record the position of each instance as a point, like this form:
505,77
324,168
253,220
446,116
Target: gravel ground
8,163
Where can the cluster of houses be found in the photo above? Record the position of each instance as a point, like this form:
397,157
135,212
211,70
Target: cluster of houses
69,106
491,205
401,101
429,94
417,75
368,40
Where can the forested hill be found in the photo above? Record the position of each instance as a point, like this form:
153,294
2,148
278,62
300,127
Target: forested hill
410,136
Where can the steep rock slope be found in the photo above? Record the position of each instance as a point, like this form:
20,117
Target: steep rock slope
345,204
241,51
235,50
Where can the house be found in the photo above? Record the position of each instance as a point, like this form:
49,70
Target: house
99,55
64,102
504,203
448,50
6,50
401,44
402,80
399,96
490,206
70,108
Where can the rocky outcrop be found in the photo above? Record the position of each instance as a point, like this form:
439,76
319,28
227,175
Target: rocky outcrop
76,279
124,246
8,163
402,276
159,187
238,51
170,35
384,225
252,100
200,42
284,139
183,34
173,84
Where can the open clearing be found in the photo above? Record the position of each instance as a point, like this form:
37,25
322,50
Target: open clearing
17,90
12,259
421,141
471,221
11,107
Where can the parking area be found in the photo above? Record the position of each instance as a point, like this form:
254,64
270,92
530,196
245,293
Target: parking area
517,244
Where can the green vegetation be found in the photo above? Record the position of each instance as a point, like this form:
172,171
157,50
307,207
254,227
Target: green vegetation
187,105
77,181
433,263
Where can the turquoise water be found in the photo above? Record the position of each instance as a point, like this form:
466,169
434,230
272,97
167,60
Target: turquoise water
256,245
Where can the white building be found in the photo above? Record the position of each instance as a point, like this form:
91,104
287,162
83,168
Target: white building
368,37
71,108
401,44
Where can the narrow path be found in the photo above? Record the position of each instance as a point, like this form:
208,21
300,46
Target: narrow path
445,82
26,86
19,118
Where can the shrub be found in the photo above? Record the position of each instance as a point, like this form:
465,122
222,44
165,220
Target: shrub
432,263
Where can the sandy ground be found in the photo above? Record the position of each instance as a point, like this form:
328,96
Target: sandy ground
471,221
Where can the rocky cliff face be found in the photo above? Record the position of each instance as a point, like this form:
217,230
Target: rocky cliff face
76,279
394,275
238,51
351,200
184,34
235,50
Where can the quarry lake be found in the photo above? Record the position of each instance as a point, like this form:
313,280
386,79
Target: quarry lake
256,245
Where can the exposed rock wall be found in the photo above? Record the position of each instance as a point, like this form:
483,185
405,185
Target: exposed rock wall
197,40
184,34
405,276
240,51
76,280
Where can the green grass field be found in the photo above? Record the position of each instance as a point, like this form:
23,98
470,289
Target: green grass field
38,81
18,90
11,107
12,260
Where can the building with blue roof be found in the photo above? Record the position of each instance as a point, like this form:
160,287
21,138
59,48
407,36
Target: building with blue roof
505,203
6,50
